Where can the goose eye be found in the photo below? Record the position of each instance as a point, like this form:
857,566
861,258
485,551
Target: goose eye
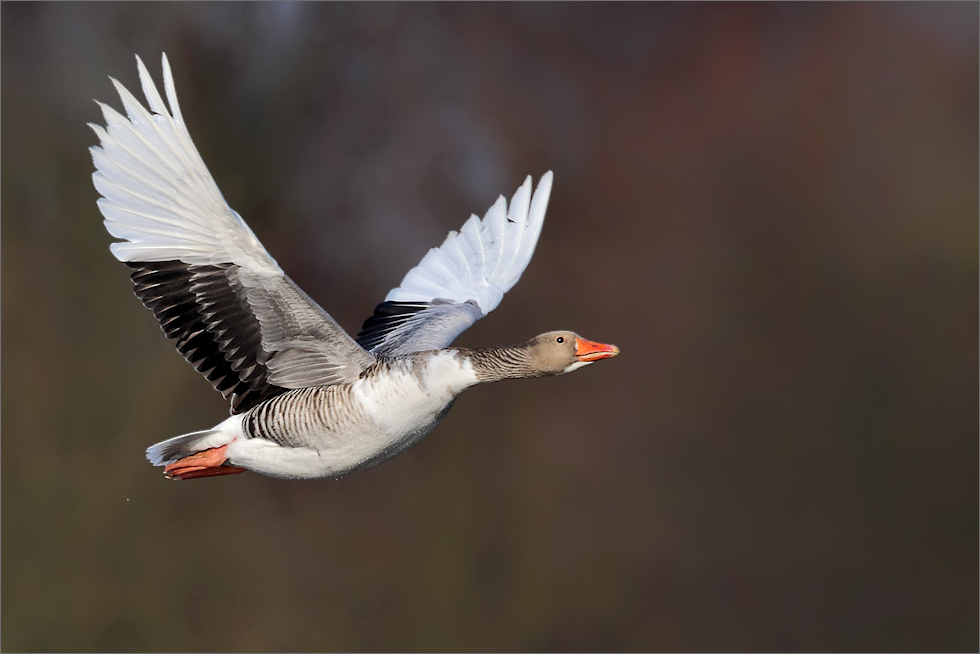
560,339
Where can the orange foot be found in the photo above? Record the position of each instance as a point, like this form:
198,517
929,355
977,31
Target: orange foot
208,463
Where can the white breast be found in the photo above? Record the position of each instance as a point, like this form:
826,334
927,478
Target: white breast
412,393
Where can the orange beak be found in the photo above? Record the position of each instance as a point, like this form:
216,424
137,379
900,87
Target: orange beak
591,351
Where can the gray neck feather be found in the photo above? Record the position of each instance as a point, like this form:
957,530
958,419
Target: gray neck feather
495,363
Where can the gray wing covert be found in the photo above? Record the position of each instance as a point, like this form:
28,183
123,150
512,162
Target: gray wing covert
398,328
307,347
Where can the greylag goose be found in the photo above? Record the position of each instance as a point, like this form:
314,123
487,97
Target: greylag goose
307,400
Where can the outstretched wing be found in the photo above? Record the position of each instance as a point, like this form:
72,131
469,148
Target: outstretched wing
461,281
232,311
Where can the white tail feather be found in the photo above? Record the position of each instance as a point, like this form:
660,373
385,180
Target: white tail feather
178,447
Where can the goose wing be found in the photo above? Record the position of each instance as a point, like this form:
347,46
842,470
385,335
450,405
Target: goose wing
235,316
462,280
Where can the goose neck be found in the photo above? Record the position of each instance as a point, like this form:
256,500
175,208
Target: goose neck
492,364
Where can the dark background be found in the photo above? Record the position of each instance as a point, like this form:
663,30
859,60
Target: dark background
771,208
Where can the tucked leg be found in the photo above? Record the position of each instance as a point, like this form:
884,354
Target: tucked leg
207,463
208,472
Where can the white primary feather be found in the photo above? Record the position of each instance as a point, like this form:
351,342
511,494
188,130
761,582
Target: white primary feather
485,258
158,194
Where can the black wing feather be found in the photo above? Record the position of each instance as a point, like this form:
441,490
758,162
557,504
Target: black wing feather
205,310
387,317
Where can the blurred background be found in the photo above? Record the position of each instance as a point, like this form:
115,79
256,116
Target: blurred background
771,208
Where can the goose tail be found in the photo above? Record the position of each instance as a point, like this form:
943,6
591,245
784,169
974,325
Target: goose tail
178,447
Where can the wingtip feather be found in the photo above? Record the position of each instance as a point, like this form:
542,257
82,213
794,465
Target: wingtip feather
171,91
158,192
150,89
486,257
134,109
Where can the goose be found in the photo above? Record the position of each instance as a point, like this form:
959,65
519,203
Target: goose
308,401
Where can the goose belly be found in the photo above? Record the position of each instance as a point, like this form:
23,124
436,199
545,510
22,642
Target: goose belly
331,431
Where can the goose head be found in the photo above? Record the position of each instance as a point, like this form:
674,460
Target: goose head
555,353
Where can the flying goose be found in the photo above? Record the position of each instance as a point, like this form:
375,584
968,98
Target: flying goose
307,400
